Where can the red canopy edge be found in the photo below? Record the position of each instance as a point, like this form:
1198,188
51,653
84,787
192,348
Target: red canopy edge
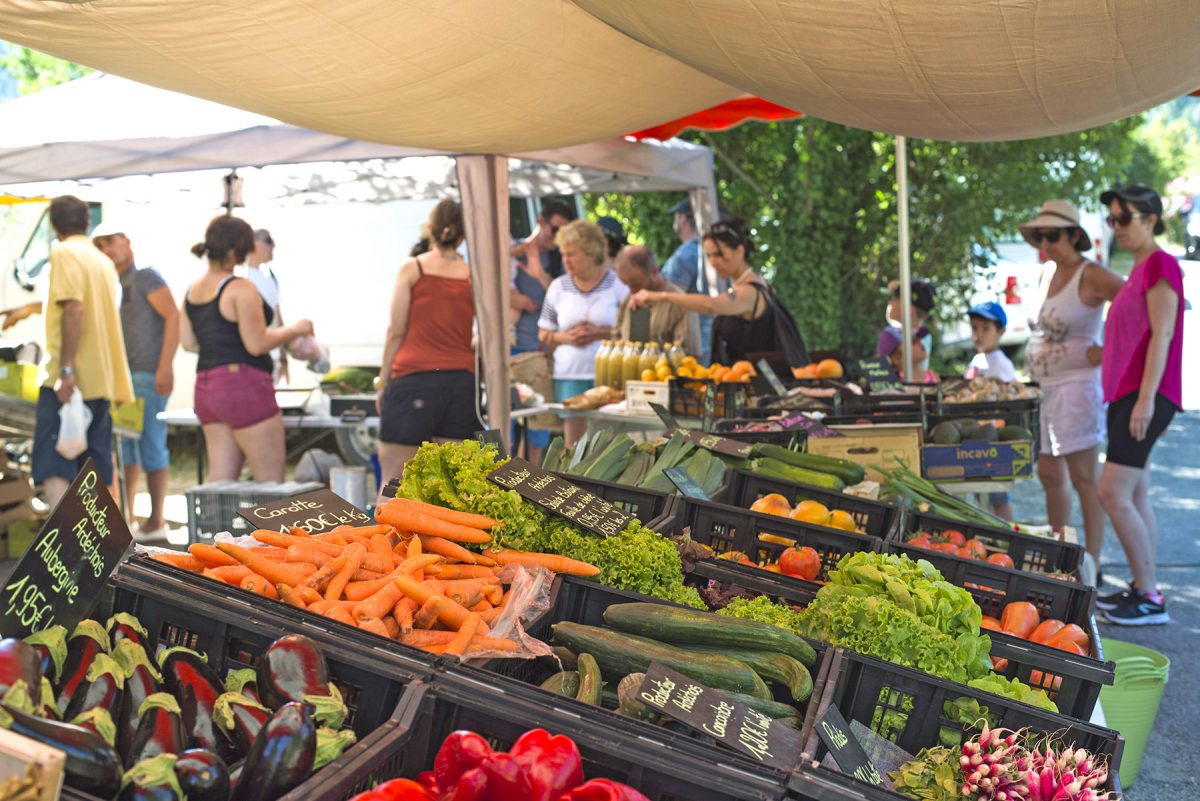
720,117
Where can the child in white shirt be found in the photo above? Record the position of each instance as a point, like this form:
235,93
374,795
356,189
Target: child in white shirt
987,326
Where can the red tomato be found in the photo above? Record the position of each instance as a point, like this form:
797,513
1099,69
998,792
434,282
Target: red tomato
921,541
965,553
956,537
803,562
1002,559
976,548
945,547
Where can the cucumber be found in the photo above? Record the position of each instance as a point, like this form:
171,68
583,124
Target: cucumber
844,469
783,471
564,683
621,654
590,683
772,709
772,666
690,627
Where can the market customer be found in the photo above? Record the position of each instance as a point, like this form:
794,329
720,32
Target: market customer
579,311
150,322
685,269
922,305
1142,374
614,237
638,269
226,322
427,382
748,318
1063,357
889,347
260,273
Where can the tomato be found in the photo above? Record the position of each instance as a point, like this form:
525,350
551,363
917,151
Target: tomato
976,548
1002,559
945,547
990,623
965,553
956,537
1019,619
772,568
1046,629
803,562
920,542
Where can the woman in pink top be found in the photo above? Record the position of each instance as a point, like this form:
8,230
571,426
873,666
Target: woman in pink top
1142,374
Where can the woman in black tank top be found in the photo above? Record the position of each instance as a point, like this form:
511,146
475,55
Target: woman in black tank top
225,321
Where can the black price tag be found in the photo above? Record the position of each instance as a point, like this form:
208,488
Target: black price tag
814,428
716,444
639,325
492,436
59,578
686,484
730,722
316,512
768,372
560,496
881,377
668,419
852,759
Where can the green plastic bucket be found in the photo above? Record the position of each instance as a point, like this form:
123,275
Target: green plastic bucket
1131,704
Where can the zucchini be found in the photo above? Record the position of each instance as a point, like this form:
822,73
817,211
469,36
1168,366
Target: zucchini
619,654
680,626
564,683
783,471
844,469
590,683
772,666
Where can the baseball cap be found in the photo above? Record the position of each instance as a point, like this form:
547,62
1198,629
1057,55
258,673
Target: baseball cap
107,228
1143,197
922,293
990,311
612,229
682,207
263,235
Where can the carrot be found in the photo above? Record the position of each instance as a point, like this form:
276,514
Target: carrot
305,552
184,561
341,615
380,547
259,585
379,604
393,628
494,594
211,555
442,513
335,537
419,638
481,606
290,596
452,550
406,518
308,595
322,576
460,571
230,574
373,625
296,531
462,639
274,538
358,590
490,615
370,531
403,613
355,554
427,615
462,591
449,613
274,572
550,561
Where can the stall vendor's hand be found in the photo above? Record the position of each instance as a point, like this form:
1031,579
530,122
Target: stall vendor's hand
1140,417
643,297
164,380
64,387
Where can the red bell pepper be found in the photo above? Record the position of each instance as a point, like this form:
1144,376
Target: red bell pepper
603,790
395,790
460,752
552,763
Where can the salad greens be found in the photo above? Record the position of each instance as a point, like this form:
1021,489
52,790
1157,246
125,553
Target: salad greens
935,775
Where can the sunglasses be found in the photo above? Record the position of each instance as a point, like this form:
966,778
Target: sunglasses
1047,234
1123,220
728,233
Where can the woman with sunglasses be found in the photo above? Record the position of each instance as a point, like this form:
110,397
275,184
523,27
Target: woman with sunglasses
1064,358
745,314
1142,373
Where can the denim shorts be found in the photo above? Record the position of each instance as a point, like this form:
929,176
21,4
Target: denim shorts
150,449
49,463
570,387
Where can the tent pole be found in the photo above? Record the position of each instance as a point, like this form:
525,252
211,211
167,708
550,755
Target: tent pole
905,265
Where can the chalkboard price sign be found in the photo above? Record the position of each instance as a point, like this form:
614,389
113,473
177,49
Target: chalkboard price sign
852,759
686,484
557,495
492,436
814,428
768,372
881,377
730,722
711,442
60,577
667,418
315,512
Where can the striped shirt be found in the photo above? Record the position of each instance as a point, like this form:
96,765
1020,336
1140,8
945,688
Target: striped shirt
566,306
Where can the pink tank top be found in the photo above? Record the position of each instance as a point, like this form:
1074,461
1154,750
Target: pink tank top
1066,328
1127,332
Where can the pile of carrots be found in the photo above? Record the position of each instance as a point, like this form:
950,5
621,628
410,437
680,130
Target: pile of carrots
410,578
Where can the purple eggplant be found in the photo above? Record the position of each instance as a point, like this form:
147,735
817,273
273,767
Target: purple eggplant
293,669
124,626
244,681
152,779
160,730
142,680
202,776
98,721
87,641
102,687
51,645
240,719
188,677
281,757
92,765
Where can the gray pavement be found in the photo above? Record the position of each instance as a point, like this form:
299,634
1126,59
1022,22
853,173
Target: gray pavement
1171,767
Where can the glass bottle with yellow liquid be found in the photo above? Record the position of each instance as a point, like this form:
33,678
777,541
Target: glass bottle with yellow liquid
601,364
649,358
631,369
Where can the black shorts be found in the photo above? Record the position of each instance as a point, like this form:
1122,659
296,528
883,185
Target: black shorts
1122,447
421,406
49,463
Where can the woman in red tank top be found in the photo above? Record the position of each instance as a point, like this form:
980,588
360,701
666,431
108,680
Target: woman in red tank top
427,382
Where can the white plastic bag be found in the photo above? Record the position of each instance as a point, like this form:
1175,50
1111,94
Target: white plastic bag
73,421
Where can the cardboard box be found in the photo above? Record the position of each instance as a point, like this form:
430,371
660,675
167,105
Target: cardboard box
23,759
978,458
640,394
19,380
871,445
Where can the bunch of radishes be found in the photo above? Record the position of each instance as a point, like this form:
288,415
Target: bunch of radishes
997,766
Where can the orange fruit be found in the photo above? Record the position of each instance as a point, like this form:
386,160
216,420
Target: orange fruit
744,367
843,520
829,368
772,568
720,374
811,512
773,504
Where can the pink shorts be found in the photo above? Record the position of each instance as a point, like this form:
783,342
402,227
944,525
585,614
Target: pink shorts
234,394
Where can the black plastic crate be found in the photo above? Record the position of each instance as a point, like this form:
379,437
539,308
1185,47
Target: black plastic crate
1030,553
687,397
792,439
728,528
907,707
214,507
875,518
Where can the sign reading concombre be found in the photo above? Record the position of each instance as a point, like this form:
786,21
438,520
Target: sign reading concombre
315,512
59,578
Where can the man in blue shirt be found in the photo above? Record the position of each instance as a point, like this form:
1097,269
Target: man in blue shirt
685,269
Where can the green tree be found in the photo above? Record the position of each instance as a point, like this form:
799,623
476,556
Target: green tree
34,70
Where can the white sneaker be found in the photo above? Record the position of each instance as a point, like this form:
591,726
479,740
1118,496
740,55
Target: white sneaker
146,537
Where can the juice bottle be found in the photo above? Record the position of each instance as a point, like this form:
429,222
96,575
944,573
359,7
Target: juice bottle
601,364
632,364
675,355
649,358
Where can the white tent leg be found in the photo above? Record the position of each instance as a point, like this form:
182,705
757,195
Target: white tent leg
905,265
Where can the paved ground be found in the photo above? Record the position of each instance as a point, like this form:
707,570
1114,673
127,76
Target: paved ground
1171,768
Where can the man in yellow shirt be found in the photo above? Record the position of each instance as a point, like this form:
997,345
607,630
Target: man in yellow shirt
86,347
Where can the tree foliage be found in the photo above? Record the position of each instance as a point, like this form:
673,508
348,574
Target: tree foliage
34,70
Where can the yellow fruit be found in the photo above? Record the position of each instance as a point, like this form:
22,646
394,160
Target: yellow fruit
662,362
811,512
829,368
719,373
663,372
649,375
843,520
689,361
684,372
700,372
744,367
717,366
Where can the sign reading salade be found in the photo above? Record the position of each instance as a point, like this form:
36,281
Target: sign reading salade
60,576
881,376
316,512
558,495
712,712
852,759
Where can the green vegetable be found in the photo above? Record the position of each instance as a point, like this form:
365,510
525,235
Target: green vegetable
776,667
563,683
764,610
797,475
590,683
844,469
935,775
1015,689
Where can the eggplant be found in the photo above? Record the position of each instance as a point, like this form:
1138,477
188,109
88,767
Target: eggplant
124,626
51,645
92,765
240,719
142,680
102,687
293,669
152,779
87,641
281,757
331,744
188,677
20,663
202,776
244,681
160,730
99,721
46,706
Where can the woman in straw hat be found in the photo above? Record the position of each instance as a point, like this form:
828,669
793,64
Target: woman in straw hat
1064,358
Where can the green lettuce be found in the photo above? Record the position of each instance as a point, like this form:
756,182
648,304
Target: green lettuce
1015,689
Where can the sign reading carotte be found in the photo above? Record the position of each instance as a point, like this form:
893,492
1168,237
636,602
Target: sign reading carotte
315,512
